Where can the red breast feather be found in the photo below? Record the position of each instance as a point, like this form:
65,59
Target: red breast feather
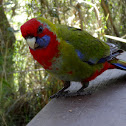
45,55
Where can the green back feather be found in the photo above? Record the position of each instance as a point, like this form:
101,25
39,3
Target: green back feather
92,48
71,39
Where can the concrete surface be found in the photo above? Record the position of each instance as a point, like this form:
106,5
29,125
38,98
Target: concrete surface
105,107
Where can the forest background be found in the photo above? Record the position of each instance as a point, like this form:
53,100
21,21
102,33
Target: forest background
25,86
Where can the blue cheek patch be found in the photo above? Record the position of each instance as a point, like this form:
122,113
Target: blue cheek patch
43,41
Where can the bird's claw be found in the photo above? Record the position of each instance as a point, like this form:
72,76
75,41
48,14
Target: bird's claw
67,94
59,94
82,93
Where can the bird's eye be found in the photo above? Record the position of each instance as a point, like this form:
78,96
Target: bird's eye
40,29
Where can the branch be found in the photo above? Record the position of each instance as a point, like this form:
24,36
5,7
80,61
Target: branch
124,36
106,12
116,38
78,6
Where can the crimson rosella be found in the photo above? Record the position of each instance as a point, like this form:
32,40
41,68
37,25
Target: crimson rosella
69,53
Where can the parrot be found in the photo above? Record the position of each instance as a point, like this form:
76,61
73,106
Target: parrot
68,53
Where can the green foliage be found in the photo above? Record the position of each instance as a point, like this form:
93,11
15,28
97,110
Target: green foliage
19,109
25,86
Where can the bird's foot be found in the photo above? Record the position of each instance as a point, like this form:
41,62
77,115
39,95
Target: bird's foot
72,94
77,94
59,94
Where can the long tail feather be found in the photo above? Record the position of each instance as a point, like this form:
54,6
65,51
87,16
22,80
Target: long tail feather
120,64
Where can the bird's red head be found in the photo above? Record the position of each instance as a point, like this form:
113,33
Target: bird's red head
30,28
36,33
41,40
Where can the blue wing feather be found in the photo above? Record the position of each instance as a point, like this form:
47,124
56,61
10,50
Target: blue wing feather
102,60
120,65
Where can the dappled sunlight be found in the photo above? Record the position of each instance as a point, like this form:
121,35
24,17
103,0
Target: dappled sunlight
25,87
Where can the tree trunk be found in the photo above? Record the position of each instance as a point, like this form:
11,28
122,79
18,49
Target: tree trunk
7,39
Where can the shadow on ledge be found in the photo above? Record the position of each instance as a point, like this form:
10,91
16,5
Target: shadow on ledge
105,107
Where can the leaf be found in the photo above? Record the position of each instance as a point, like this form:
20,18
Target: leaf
107,16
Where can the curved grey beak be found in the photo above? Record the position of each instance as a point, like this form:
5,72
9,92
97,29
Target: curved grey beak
32,42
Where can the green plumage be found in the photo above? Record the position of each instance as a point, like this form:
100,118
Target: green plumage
69,66
92,48
69,53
